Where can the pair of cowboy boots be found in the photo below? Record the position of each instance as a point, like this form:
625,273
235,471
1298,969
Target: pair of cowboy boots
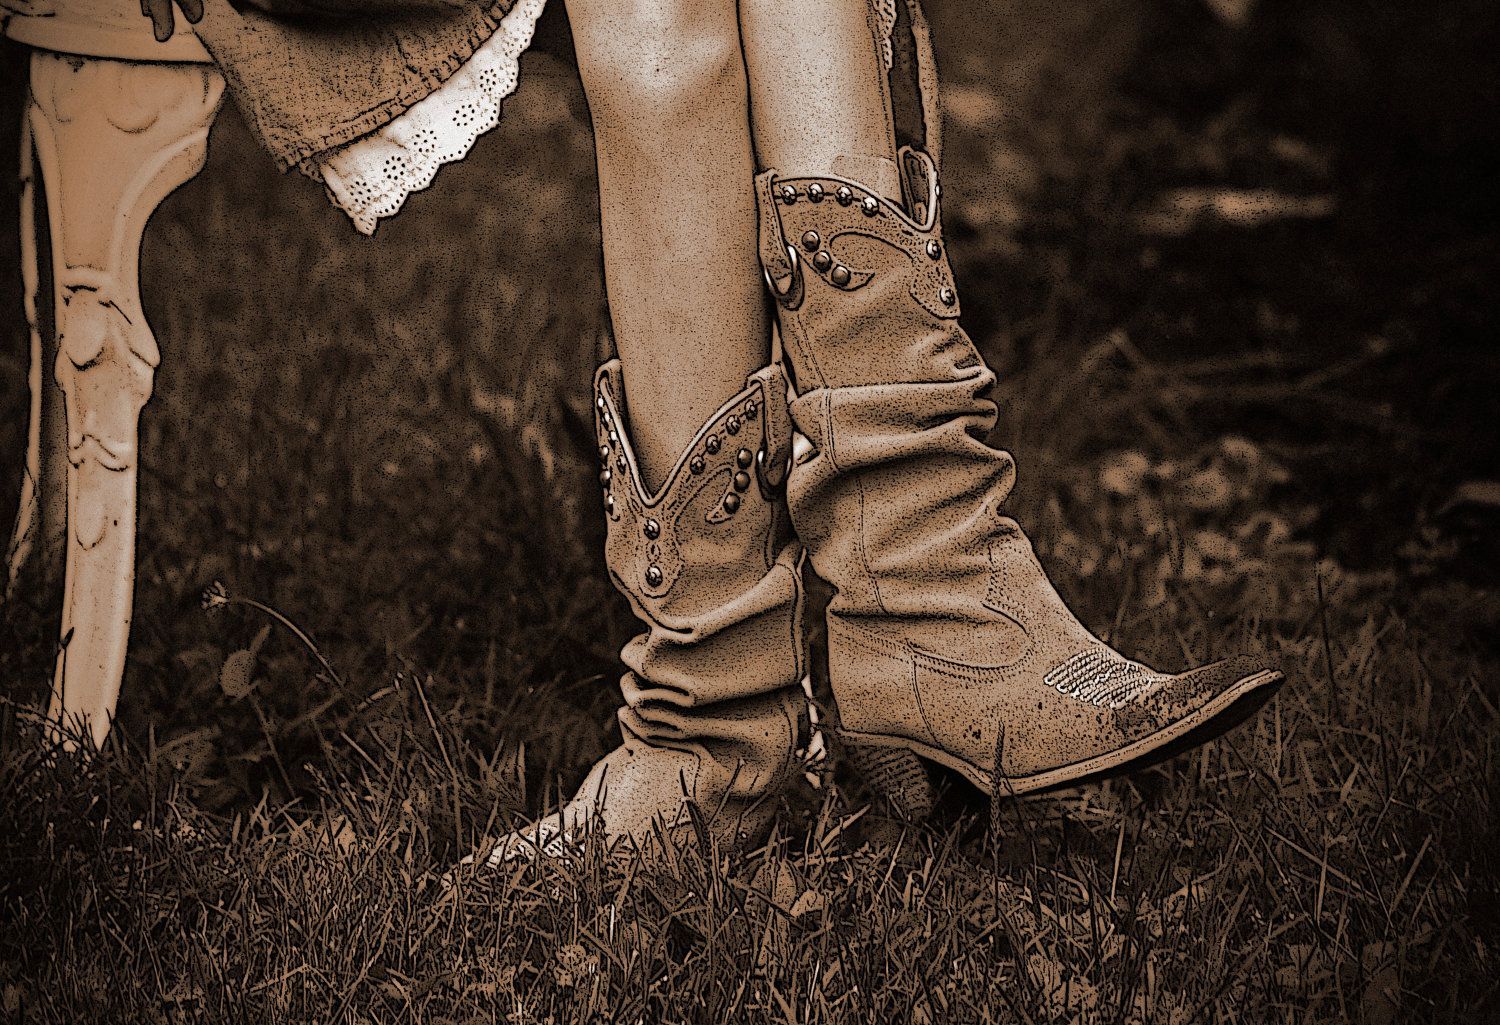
945,637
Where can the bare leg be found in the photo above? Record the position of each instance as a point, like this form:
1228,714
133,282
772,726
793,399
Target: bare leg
818,90
665,81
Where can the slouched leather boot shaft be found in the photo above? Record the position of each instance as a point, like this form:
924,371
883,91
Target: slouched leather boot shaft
945,636
893,395
712,571
713,700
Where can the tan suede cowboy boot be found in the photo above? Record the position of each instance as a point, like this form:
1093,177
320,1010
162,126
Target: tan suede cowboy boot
713,698
945,636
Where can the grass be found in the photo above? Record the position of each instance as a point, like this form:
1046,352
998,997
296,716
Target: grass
380,441
1332,861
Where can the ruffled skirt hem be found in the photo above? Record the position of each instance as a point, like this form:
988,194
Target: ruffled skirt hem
371,177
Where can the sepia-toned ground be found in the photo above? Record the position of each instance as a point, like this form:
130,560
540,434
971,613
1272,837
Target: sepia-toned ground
1237,283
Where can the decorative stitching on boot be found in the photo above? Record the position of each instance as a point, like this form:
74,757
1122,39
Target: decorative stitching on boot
828,437
830,452
965,672
1000,584
916,690
864,558
994,595
870,642
793,341
895,651
1103,677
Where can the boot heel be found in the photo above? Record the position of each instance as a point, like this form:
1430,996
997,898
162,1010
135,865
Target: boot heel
890,769
918,750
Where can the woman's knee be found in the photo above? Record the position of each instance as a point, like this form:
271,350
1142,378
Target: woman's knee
662,57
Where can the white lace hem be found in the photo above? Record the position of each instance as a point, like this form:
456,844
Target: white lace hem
371,177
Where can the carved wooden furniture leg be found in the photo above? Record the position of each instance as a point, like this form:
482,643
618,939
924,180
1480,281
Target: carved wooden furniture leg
41,517
112,138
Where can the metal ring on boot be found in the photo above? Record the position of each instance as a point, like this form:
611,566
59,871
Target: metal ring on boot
795,292
770,490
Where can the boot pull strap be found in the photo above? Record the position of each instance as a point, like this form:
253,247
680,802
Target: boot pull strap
779,262
927,82
773,459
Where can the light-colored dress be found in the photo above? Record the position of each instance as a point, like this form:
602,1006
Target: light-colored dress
370,178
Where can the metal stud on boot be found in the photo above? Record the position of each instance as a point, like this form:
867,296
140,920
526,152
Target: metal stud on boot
713,699
945,636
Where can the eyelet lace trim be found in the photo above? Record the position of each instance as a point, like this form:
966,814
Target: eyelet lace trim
371,177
